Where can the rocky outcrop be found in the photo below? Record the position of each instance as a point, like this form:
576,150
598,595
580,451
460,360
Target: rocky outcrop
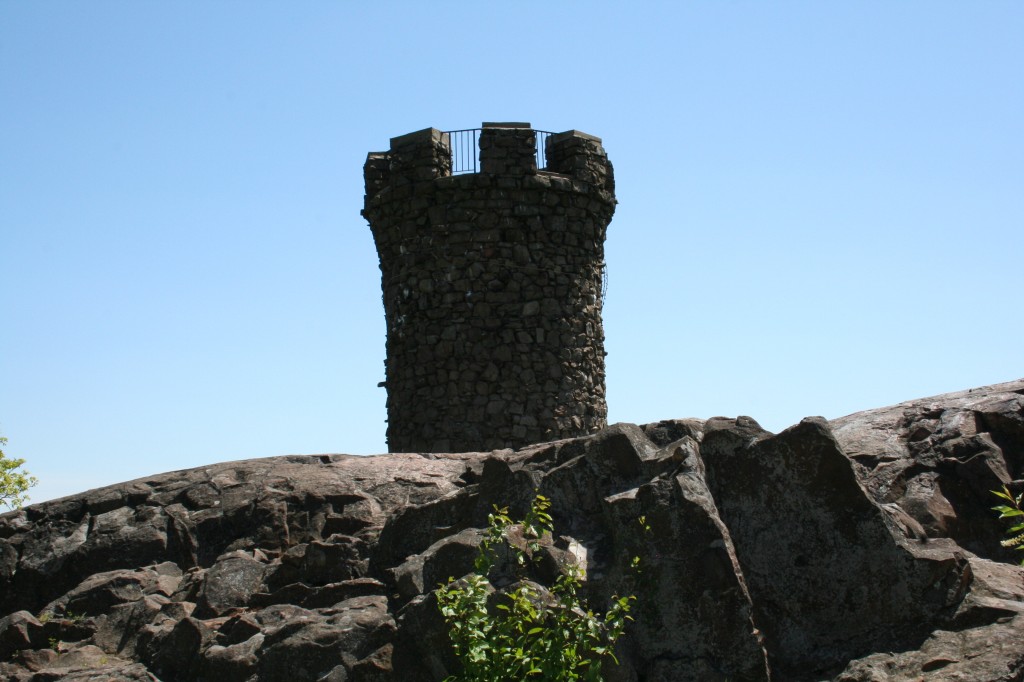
861,549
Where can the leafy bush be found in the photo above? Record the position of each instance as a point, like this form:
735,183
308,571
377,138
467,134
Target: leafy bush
1015,533
13,483
529,632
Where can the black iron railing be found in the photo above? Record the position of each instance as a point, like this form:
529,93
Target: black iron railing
465,150
465,147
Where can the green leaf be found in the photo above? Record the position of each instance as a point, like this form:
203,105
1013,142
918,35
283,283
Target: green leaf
1004,493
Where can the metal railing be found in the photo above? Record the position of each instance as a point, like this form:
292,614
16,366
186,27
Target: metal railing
465,149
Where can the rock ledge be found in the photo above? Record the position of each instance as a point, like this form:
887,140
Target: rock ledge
861,549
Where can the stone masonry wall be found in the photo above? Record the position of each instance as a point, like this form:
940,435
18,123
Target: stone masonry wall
492,288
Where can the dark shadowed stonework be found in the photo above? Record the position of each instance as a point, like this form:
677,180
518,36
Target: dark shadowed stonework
492,286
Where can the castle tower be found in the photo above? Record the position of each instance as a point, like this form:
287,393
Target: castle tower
492,283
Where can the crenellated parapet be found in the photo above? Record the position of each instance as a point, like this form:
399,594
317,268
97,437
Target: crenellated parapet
492,287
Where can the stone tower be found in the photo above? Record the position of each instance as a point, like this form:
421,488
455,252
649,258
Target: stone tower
492,283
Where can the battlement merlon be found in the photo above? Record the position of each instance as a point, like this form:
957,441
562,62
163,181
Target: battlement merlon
376,172
580,156
508,149
423,155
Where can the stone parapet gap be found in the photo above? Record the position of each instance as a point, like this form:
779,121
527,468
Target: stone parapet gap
492,287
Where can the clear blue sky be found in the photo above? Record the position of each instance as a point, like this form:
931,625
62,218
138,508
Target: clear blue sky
821,208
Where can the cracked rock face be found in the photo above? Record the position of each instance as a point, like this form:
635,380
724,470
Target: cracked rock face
862,549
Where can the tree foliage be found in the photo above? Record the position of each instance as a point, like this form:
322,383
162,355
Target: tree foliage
527,633
13,483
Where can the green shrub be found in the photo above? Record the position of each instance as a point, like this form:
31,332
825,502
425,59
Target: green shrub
13,483
529,633
1015,533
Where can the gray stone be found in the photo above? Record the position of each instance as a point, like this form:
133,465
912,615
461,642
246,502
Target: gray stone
91,664
174,650
233,663
802,525
230,583
20,630
309,648
939,458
